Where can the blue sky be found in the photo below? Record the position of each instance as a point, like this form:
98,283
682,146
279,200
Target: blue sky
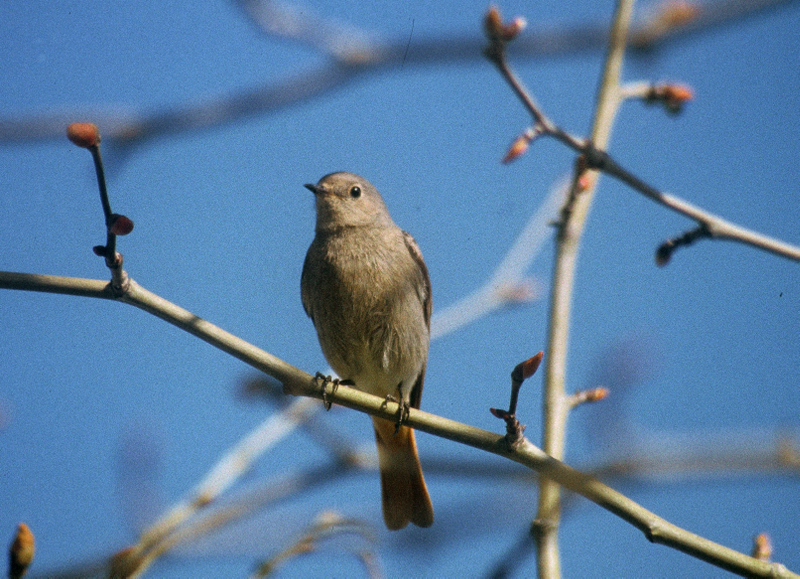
95,393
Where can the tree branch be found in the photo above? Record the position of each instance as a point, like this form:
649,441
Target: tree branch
573,218
596,158
299,383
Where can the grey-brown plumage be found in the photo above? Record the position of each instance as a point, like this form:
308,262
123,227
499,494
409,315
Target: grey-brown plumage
366,288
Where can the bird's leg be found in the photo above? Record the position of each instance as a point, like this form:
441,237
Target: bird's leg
402,408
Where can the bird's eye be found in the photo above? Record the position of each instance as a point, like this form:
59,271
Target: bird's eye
355,192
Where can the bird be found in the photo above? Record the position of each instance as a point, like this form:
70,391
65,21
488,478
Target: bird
366,288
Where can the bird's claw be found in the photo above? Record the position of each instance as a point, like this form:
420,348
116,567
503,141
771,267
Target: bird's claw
334,383
402,411
326,381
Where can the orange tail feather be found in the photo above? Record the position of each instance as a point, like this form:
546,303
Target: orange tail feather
405,496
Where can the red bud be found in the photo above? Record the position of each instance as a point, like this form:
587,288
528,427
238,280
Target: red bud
530,365
21,552
517,148
120,225
762,547
84,135
492,23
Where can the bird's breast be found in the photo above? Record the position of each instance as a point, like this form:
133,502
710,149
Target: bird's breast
366,308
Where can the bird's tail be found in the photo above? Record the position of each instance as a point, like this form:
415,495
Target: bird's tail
405,496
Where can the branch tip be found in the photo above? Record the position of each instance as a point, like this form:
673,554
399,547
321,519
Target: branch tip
666,249
497,31
493,23
530,365
664,253
587,396
762,547
519,374
672,97
521,144
85,135
21,552
517,149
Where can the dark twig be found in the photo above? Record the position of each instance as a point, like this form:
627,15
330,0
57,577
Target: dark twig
521,372
665,250
87,136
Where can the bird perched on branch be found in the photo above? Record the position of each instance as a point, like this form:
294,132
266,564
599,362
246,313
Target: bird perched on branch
367,290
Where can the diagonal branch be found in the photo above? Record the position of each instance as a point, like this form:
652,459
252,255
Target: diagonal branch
299,383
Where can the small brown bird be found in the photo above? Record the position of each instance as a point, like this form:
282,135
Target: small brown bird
367,290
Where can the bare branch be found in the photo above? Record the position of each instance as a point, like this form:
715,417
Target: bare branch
596,158
299,383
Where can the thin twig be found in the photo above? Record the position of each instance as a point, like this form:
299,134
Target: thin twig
87,136
520,373
595,157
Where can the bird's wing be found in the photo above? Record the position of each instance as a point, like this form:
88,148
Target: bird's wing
305,286
427,305
425,297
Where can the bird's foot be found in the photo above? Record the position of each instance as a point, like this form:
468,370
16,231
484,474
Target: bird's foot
334,384
402,411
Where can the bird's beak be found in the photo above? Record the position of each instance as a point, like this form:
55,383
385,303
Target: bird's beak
312,188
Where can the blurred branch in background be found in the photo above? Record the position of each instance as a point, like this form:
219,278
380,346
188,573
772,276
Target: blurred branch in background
353,54
671,459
